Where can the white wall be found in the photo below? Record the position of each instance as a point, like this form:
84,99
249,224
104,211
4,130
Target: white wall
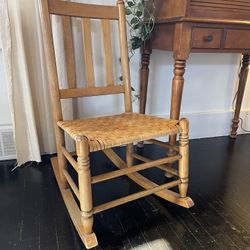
210,85
5,117
211,81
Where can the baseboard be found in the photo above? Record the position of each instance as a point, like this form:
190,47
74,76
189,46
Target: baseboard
213,123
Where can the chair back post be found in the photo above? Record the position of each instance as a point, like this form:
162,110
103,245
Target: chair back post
52,71
50,60
124,55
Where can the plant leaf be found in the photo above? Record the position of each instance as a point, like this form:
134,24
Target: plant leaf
128,11
136,26
140,7
138,13
134,20
130,3
136,43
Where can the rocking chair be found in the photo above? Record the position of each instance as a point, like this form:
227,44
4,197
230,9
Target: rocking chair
104,133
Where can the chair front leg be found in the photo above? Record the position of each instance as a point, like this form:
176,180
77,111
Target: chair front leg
183,162
84,182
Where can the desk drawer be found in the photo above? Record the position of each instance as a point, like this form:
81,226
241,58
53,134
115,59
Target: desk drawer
206,38
237,39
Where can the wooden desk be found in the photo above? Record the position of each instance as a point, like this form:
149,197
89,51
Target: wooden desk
186,26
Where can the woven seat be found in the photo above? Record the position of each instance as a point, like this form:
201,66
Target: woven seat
111,131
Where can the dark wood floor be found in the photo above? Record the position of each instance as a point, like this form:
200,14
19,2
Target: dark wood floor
33,215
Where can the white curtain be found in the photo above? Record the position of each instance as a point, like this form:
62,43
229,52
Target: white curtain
26,76
18,83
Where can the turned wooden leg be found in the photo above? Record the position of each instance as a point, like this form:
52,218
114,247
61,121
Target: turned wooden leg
62,161
84,182
177,89
144,73
240,93
183,162
129,152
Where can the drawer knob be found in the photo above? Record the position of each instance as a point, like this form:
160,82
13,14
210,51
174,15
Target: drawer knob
209,38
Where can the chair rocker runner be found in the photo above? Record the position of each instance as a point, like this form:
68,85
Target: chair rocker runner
104,133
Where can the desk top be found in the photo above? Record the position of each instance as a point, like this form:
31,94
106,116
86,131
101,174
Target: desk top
223,10
185,26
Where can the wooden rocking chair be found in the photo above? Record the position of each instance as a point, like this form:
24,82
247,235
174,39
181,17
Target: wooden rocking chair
103,133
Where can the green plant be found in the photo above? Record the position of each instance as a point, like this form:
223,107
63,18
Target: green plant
141,22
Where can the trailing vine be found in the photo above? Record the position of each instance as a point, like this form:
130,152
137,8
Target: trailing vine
141,21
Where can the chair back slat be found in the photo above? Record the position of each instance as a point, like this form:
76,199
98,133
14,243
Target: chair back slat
83,10
69,51
88,54
108,52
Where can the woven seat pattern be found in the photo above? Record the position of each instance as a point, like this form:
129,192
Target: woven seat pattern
111,131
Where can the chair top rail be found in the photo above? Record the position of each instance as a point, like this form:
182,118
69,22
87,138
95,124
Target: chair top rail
93,11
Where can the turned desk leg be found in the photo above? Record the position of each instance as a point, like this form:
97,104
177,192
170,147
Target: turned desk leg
177,90
144,72
240,93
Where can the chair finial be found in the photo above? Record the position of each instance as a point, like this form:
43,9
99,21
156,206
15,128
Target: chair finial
120,2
